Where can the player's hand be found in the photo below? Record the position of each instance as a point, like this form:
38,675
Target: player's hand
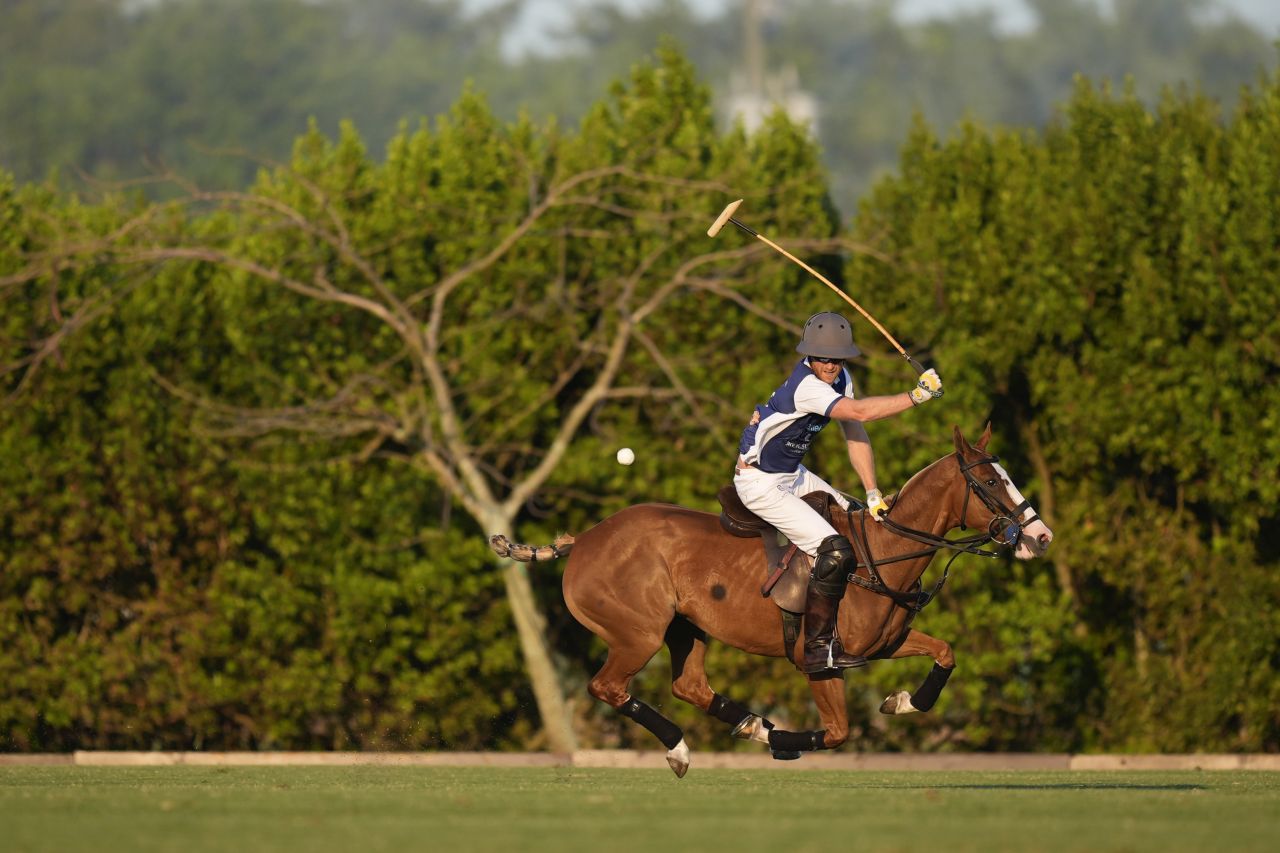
927,387
876,505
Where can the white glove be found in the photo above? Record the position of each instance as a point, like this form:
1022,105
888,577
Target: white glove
876,505
929,386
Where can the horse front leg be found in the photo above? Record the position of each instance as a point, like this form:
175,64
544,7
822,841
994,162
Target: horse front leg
944,661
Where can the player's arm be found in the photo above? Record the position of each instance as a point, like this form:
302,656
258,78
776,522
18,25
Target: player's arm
861,456
870,408
877,408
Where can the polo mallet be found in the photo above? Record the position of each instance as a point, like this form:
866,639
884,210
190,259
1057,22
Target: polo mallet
726,215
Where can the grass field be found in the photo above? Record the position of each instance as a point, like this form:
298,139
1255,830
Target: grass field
368,809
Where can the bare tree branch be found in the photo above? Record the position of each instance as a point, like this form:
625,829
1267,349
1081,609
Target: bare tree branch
49,346
572,421
661,360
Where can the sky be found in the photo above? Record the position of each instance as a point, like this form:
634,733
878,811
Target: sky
544,16
1263,13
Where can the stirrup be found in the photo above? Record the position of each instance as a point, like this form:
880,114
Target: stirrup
845,661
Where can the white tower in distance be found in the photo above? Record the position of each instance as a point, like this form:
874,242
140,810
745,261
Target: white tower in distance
754,93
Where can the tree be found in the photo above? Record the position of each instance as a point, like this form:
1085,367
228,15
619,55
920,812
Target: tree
1104,293
474,305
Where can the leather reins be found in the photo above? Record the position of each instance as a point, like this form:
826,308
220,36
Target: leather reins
1005,530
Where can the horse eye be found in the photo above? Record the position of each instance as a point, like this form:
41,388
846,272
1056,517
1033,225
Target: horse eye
992,482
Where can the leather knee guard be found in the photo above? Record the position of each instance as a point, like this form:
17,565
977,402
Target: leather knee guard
835,554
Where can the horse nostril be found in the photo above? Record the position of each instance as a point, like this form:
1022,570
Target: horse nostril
1044,539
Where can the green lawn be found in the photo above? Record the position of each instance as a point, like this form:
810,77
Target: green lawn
369,809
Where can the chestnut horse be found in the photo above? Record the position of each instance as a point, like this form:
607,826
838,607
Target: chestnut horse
657,573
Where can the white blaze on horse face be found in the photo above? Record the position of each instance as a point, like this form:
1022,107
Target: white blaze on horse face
1036,536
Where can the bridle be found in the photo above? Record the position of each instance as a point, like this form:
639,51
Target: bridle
1005,529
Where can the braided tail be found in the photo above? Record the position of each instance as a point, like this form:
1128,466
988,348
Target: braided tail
504,547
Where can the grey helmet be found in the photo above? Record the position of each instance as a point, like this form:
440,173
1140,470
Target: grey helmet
828,335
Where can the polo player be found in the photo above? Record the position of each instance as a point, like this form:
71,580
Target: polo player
771,479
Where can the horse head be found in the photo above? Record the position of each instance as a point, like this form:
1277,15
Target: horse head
997,505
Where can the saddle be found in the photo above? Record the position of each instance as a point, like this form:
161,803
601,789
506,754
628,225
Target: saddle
786,566
736,519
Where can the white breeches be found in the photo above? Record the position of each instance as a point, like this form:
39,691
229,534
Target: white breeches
776,499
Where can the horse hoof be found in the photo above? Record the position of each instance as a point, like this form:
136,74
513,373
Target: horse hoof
678,759
785,754
897,704
754,728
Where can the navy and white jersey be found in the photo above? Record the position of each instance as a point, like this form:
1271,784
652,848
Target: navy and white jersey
792,418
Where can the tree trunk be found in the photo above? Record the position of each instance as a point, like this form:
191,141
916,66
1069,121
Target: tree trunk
531,627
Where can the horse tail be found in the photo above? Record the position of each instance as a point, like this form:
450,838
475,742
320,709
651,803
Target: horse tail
504,547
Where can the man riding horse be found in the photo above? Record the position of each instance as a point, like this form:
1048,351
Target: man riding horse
771,479
655,574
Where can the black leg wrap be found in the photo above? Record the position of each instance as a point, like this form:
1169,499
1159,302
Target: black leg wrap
665,730
928,693
727,710
780,741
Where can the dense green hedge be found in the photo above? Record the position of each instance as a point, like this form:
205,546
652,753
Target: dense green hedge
157,591
1104,293
1107,292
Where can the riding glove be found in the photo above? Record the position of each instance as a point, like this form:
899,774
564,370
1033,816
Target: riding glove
876,505
928,387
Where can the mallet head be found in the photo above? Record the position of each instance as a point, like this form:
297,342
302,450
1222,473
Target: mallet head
725,216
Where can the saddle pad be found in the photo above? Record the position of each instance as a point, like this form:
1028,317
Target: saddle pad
789,592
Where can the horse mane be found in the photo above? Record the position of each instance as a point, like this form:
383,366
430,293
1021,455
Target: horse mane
917,475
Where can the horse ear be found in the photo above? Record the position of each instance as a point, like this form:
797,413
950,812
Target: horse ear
961,444
986,436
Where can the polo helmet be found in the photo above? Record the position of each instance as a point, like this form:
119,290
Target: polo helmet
828,335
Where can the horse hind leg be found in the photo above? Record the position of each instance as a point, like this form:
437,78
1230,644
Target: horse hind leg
688,646
610,686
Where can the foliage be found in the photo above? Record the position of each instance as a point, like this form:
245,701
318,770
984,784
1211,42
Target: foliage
159,591
1105,293
341,359
254,440
118,89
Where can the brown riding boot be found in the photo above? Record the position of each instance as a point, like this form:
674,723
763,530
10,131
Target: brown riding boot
821,650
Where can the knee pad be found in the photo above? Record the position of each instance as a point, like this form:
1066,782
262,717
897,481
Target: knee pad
834,554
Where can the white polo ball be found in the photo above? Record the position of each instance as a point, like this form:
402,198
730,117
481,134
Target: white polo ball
626,456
